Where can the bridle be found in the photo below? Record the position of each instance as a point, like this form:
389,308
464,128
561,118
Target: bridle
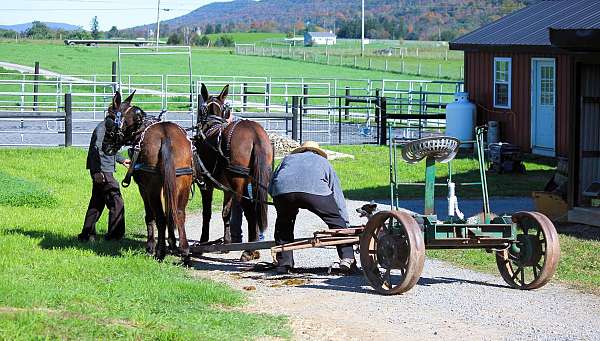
117,133
224,108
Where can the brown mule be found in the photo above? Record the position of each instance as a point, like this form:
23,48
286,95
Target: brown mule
237,154
162,168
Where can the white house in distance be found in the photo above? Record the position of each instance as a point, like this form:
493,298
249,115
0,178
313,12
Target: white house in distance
319,38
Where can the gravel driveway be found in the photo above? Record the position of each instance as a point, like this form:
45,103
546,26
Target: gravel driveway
447,303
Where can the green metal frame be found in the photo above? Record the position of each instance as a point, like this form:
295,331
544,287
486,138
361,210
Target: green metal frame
490,232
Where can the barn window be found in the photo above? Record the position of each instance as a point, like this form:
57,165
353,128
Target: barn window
502,82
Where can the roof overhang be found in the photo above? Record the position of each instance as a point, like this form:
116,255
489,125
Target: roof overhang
580,40
506,48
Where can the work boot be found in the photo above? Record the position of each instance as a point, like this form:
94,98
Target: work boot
348,265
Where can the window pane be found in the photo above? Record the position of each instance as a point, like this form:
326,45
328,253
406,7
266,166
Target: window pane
501,95
502,71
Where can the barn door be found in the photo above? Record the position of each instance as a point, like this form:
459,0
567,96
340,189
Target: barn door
589,167
543,106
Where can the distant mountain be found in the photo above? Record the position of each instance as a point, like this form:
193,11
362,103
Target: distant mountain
385,19
52,25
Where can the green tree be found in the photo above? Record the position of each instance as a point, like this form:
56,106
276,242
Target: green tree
78,34
200,40
175,39
38,30
225,41
112,33
209,29
95,31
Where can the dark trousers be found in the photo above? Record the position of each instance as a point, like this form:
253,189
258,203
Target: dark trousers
288,205
105,192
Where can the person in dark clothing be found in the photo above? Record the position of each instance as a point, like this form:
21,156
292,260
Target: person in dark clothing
105,190
305,179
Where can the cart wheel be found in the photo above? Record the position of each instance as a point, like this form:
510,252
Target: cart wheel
532,261
392,252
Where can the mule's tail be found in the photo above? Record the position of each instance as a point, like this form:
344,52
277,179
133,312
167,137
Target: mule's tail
261,172
169,183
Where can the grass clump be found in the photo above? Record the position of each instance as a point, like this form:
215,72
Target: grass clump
20,192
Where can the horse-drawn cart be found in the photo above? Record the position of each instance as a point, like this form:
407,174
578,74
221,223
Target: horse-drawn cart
392,244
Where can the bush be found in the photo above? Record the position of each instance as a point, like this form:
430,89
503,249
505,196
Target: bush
225,41
200,40
175,39
19,192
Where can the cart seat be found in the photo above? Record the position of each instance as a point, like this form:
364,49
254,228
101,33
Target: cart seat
441,148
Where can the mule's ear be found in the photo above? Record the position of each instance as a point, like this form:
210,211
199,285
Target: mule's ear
116,102
129,98
224,93
204,93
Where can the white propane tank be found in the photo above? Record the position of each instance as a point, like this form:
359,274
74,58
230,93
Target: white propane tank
460,118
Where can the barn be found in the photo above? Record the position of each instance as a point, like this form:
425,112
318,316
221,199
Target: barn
319,38
537,72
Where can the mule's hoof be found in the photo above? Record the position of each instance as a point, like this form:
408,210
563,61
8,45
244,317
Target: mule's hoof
249,255
186,261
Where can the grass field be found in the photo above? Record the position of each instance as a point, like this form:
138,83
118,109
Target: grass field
81,60
54,287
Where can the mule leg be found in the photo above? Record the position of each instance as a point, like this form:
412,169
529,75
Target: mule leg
184,248
150,219
226,214
161,224
207,196
249,211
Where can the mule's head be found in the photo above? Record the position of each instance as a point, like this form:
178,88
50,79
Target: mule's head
215,106
122,122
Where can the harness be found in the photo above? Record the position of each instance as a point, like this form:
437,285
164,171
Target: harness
135,166
212,127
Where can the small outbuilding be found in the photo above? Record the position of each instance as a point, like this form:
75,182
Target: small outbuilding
319,38
537,72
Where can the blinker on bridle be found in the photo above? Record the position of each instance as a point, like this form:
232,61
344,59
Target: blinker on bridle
225,109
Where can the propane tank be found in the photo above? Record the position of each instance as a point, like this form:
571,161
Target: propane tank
460,118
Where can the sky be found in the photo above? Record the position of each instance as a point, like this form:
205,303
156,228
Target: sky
120,13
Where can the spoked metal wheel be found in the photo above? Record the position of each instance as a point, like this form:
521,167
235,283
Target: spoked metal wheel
392,252
532,261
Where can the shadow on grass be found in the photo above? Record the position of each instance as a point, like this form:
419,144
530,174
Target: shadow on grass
579,231
51,241
499,185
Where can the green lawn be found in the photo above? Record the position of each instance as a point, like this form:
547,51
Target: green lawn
83,60
54,287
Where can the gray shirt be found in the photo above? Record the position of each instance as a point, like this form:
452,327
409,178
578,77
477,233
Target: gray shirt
97,160
308,173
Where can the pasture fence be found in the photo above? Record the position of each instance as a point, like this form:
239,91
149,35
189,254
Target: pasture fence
45,110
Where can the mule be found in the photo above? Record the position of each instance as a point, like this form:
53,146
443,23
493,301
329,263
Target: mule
235,154
161,166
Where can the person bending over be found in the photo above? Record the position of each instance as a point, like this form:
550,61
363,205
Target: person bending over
305,179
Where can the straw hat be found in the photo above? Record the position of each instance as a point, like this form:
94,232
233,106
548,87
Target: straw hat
310,146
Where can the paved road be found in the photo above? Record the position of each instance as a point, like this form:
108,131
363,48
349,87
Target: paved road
448,303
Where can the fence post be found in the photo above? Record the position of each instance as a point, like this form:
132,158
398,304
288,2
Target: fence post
36,77
347,104
354,61
386,65
244,96
370,63
419,71
304,97
339,120
113,77
383,121
295,118
68,120
439,70
304,55
267,97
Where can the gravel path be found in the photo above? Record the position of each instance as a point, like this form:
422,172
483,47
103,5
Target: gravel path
447,303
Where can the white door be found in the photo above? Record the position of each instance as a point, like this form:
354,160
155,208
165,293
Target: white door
543,106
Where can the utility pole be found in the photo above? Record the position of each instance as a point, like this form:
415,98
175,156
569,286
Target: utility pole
362,36
157,23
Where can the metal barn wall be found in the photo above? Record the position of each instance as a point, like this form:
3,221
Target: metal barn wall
515,123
